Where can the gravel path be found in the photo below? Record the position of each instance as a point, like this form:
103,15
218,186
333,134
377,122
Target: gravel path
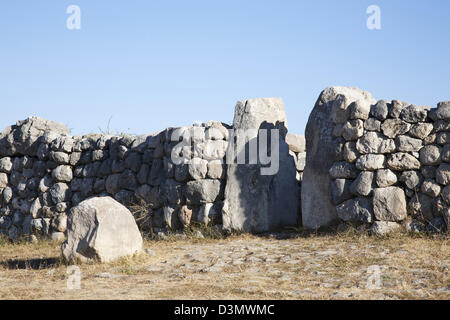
252,268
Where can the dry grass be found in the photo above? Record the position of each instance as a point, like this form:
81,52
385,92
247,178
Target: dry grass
310,266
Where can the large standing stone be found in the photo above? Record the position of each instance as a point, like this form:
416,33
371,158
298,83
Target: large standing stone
317,207
101,229
389,204
259,198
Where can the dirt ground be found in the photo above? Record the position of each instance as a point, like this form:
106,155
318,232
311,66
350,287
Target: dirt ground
344,266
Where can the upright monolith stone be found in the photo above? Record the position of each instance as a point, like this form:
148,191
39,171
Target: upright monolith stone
260,194
322,150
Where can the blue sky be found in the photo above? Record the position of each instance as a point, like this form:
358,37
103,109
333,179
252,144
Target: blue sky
147,65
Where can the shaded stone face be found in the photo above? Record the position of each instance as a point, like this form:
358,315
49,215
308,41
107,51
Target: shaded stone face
254,201
340,190
356,210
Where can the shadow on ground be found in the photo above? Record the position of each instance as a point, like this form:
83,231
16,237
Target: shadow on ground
35,264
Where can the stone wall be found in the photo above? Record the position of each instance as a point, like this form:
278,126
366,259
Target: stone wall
40,183
390,161
44,171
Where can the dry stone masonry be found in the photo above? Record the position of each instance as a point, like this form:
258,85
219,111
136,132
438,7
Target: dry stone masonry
44,172
55,171
382,163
